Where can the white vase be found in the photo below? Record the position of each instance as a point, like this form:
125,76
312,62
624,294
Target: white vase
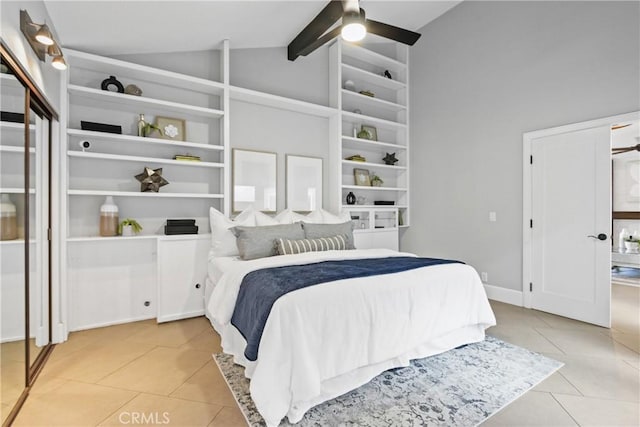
623,235
127,230
631,247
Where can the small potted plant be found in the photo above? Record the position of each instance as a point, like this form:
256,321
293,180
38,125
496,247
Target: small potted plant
632,244
376,181
149,128
129,227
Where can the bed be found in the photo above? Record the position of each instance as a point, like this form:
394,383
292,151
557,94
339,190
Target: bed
321,341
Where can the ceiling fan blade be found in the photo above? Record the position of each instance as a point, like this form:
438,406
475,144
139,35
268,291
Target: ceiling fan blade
316,28
390,32
322,40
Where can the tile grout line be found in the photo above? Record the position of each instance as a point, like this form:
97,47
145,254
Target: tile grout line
126,364
565,409
549,341
119,408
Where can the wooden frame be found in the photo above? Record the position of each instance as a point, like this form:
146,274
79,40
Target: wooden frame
361,177
254,180
303,183
172,129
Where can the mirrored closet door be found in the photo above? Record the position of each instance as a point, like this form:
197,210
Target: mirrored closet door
25,229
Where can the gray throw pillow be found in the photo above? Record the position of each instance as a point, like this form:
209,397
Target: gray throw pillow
288,246
313,231
260,242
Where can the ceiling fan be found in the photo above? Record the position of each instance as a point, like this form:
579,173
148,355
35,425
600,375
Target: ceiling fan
354,27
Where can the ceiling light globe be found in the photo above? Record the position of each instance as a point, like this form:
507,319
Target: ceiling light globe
353,32
59,63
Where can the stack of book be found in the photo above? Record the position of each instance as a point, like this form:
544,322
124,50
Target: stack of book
356,158
180,226
187,157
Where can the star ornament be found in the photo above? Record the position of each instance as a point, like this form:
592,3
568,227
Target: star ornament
390,159
151,180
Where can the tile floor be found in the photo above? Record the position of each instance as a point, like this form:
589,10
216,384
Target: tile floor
115,375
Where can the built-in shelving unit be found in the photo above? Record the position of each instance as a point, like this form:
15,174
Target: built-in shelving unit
355,69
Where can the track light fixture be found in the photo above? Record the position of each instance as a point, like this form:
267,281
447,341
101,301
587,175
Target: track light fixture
41,41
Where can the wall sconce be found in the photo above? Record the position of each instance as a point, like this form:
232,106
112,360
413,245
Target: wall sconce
41,41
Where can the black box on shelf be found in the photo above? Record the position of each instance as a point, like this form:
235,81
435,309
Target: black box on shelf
100,127
181,222
7,116
180,229
384,202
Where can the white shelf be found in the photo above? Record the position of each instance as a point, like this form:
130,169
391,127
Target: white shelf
142,140
13,149
373,101
373,165
12,190
355,207
149,194
142,73
261,98
365,55
140,237
118,157
12,126
349,72
365,188
361,118
353,142
92,97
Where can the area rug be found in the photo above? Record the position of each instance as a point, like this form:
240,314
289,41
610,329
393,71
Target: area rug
461,387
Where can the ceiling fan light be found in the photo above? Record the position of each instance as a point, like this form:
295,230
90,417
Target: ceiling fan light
59,63
44,36
353,32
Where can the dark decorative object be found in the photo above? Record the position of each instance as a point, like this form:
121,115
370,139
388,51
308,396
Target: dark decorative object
100,127
133,90
387,74
151,180
367,93
384,202
7,116
390,159
351,198
112,81
181,226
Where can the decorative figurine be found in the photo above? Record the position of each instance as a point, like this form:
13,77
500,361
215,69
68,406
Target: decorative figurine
390,159
387,74
112,81
133,90
351,198
151,180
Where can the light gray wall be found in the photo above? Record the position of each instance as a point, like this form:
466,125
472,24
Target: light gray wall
481,75
262,128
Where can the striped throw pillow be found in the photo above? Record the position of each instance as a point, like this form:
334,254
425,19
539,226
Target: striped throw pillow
288,246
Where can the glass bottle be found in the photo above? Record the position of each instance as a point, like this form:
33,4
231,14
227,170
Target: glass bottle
141,125
109,218
8,219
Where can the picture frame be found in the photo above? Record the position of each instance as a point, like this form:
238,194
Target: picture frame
361,177
625,186
373,132
303,183
172,129
254,180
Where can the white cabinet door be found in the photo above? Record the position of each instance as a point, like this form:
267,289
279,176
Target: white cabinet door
375,239
182,270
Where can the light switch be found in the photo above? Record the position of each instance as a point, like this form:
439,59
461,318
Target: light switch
492,216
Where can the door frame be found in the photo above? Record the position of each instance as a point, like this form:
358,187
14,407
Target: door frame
527,206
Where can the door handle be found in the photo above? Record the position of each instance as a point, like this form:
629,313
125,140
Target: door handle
600,236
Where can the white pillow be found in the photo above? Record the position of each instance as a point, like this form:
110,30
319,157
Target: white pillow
314,217
329,218
288,216
223,242
264,219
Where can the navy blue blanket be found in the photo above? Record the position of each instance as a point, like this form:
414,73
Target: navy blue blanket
261,288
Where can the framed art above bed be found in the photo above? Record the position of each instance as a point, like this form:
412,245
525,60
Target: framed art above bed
254,180
304,183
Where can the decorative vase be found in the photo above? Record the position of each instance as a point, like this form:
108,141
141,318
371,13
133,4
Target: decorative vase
623,235
350,85
631,247
127,230
109,218
8,219
141,125
351,198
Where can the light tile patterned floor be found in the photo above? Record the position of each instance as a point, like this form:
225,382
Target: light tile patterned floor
110,376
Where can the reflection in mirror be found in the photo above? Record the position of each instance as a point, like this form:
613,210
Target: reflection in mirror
12,243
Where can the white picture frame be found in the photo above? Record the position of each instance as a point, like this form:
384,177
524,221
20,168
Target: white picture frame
254,182
304,183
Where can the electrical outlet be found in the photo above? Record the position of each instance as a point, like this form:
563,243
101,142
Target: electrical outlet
484,276
492,217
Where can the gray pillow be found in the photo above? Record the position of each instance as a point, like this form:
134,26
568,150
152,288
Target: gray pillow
313,231
288,246
260,242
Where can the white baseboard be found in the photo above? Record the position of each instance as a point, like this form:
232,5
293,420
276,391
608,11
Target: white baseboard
505,295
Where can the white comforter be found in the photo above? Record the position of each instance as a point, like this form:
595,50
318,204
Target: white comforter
322,341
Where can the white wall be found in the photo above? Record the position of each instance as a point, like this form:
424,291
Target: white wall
481,75
43,74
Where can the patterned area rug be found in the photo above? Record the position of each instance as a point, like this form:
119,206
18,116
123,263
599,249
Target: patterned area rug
461,387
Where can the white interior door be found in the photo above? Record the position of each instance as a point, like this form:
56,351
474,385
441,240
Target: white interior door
571,206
